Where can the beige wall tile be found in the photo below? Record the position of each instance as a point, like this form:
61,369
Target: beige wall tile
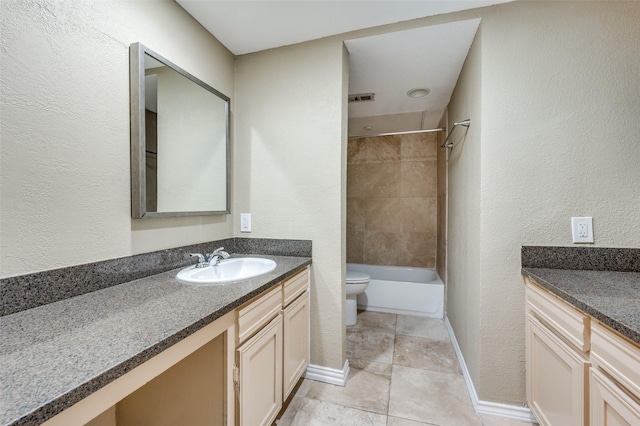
381,248
382,180
418,147
356,208
355,246
357,181
441,241
356,152
441,237
391,200
383,214
418,214
418,179
400,249
418,250
383,149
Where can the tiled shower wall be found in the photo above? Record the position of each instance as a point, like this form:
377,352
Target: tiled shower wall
441,253
392,200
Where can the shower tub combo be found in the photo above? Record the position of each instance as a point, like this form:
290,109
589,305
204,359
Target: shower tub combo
401,290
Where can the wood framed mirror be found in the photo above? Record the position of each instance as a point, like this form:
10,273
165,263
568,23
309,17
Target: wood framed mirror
179,140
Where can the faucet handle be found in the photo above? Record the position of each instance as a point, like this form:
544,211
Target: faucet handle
214,258
220,252
201,259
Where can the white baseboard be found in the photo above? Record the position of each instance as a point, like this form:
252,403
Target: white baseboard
328,375
486,407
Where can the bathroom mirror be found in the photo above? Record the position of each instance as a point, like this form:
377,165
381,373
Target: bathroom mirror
179,140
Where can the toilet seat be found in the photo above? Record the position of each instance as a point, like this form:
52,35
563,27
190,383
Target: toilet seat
355,277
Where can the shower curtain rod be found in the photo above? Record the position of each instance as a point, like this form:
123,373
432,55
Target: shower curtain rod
373,135
465,123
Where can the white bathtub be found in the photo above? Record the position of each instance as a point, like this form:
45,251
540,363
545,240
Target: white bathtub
401,290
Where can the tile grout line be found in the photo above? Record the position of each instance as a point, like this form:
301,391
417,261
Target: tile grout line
393,352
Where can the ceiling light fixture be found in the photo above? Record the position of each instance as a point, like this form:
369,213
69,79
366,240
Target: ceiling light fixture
418,93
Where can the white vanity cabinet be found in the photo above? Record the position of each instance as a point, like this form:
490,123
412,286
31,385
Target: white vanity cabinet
296,330
259,359
557,360
273,349
579,371
614,379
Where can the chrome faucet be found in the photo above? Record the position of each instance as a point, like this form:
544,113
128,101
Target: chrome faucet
218,254
201,260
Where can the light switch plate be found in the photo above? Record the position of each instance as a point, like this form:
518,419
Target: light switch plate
582,229
245,222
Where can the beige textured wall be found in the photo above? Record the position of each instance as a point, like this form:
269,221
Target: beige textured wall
553,92
64,129
463,220
289,168
391,200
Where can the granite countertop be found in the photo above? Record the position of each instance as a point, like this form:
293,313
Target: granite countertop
53,356
612,298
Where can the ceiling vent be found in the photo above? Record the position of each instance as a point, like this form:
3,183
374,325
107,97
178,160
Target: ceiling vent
361,97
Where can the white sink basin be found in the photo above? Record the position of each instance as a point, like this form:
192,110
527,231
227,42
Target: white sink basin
228,270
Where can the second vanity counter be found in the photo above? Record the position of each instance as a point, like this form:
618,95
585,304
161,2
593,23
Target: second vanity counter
55,355
612,298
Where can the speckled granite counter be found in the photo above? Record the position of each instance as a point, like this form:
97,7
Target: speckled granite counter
53,356
612,298
602,282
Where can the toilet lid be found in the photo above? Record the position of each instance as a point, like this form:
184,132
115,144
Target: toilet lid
355,277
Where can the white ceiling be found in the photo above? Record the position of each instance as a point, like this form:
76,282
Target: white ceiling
392,64
388,65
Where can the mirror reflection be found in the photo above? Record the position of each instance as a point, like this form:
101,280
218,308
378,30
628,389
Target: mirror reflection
181,146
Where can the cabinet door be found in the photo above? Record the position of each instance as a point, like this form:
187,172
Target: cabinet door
556,378
610,405
259,362
296,342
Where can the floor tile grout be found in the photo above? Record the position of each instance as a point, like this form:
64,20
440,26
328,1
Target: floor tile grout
393,353
329,404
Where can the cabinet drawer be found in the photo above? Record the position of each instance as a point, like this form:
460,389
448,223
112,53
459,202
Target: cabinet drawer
258,312
616,356
566,321
295,286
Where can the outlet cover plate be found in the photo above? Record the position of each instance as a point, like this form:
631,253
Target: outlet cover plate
582,230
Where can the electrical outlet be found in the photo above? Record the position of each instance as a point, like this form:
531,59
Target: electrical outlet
245,222
582,229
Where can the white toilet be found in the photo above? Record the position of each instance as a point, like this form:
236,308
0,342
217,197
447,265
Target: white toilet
357,283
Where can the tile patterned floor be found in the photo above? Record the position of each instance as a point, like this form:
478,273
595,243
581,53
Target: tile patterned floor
404,372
